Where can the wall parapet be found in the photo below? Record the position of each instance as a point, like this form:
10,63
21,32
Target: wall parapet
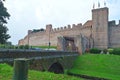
65,28
68,27
113,23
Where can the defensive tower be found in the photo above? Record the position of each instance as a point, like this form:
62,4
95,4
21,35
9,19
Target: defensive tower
100,27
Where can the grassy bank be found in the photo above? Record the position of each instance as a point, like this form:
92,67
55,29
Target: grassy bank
98,65
43,47
6,73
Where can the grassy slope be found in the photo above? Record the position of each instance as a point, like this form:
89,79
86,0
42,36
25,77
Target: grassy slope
99,65
6,73
45,47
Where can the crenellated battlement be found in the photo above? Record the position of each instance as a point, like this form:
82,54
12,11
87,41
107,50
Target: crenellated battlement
113,23
119,22
68,27
65,28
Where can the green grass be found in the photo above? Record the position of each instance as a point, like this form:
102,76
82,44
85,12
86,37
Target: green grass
45,47
98,65
6,73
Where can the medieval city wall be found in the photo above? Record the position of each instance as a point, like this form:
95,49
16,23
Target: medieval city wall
37,38
87,31
114,34
99,32
51,35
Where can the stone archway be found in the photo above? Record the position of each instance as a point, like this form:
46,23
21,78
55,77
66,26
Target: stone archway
56,68
66,43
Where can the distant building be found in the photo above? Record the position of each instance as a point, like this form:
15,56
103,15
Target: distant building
99,32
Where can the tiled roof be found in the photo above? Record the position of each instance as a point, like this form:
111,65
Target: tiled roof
88,23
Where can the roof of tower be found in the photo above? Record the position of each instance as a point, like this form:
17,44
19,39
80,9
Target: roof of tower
88,23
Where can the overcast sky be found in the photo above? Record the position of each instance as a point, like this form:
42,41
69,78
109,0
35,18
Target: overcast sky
35,14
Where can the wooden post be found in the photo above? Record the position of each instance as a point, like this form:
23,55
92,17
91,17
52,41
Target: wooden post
20,69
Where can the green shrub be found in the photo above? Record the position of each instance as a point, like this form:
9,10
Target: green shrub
26,47
6,46
105,51
116,51
12,47
16,47
95,50
21,47
2,46
110,50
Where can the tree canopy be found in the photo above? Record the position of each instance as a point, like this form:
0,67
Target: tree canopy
3,34
38,30
4,15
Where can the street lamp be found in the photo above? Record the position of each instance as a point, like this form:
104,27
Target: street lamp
49,41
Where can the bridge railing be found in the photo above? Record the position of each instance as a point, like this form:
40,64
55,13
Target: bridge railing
10,54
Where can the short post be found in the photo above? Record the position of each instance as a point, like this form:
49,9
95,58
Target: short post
20,69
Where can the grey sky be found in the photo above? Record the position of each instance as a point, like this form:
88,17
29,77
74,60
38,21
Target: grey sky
35,14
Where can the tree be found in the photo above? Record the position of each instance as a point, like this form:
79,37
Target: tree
3,34
42,29
38,30
4,15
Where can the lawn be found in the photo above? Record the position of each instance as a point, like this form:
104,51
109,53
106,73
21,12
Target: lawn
6,73
98,65
44,47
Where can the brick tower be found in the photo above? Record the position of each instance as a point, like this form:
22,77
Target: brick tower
100,27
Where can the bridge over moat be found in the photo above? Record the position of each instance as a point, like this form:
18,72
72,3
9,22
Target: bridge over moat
54,61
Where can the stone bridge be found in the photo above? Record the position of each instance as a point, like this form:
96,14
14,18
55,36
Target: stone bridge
53,61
